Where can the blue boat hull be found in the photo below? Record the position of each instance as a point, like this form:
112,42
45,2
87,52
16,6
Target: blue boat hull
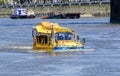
21,17
60,49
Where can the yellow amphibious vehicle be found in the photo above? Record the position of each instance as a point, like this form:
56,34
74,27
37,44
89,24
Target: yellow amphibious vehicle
50,37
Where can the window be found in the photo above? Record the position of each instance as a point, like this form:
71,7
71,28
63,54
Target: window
64,36
43,39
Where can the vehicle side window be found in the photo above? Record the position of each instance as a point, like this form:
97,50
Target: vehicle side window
43,39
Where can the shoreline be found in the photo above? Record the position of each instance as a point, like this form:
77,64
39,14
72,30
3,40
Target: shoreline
94,10
83,15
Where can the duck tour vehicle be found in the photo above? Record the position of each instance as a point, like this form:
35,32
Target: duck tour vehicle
50,37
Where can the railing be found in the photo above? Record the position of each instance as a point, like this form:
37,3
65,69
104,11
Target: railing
80,2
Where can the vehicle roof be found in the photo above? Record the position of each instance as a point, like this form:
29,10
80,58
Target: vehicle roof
46,27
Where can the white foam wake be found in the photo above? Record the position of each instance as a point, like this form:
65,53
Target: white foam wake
21,47
15,47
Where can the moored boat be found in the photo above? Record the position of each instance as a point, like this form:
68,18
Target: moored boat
50,37
59,15
22,13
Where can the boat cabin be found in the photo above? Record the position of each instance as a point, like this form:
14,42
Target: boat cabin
20,13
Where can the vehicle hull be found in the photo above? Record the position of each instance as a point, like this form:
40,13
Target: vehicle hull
63,16
22,17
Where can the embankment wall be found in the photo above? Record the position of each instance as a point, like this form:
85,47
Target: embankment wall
94,10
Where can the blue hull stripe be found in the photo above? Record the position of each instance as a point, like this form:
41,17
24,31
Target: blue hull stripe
55,49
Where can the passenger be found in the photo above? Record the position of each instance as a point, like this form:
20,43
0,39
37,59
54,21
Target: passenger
67,37
60,37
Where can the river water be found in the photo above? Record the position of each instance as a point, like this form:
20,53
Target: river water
101,58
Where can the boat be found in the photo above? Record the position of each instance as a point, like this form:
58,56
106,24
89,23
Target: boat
51,37
22,13
60,15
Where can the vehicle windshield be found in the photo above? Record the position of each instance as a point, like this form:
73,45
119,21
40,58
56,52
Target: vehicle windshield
64,36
